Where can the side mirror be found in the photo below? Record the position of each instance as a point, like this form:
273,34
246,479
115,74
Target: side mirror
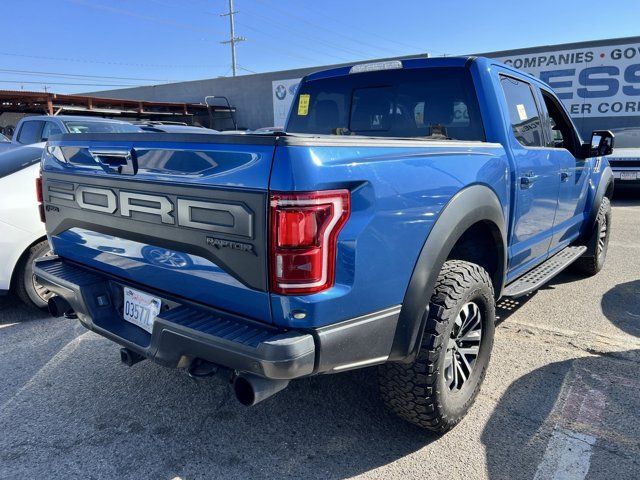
602,142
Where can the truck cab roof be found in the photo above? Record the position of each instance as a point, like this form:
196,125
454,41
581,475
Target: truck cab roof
418,62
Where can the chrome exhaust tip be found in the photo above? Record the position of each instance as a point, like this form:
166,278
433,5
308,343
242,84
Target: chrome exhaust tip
59,307
251,389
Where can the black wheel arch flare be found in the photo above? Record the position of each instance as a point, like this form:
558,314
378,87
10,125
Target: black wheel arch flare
604,188
473,204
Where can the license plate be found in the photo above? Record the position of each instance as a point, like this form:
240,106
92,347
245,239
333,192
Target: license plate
140,308
628,175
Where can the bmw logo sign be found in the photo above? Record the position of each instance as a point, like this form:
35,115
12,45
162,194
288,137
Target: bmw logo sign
281,92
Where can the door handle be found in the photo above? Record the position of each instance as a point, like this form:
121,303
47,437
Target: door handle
528,180
564,175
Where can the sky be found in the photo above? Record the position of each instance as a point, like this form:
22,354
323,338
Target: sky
71,46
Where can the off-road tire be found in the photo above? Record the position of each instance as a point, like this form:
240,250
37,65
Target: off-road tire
24,285
592,261
418,391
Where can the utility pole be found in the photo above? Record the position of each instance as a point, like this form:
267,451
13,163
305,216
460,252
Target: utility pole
233,39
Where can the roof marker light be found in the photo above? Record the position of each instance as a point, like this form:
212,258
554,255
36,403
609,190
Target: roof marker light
373,67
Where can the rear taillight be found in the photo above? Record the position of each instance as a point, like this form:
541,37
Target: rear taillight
40,197
304,237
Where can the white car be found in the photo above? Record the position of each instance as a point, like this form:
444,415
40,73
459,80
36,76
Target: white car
22,234
625,159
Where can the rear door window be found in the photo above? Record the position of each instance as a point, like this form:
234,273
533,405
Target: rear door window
523,112
436,102
30,132
100,127
50,129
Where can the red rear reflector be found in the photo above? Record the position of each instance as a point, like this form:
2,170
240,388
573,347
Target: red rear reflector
41,211
40,198
304,237
39,189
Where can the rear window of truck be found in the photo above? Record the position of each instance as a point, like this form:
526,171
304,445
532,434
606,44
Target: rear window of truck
437,102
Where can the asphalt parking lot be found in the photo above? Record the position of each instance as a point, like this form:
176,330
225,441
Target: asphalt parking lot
561,400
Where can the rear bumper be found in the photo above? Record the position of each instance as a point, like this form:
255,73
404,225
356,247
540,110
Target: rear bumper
184,330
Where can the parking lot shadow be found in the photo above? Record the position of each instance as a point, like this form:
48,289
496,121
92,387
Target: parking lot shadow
29,338
626,196
548,419
621,305
13,310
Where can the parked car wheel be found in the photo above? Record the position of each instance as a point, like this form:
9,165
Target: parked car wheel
439,387
593,259
26,287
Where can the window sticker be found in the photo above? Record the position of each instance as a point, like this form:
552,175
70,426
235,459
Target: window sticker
522,112
303,104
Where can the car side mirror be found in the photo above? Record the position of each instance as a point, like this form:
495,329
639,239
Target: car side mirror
602,142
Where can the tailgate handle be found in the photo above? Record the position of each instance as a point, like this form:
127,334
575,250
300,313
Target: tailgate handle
120,161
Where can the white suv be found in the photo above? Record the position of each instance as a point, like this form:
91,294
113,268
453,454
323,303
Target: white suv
22,234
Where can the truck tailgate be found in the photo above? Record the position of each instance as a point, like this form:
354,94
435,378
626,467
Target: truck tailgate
181,214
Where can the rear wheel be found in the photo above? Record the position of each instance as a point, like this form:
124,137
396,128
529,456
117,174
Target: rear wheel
598,243
26,287
439,387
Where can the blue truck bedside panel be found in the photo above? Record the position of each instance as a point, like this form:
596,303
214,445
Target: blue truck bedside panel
397,195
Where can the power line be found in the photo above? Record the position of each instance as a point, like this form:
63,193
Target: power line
72,84
315,26
186,26
332,31
306,33
271,20
71,75
246,69
292,55
289,53
356,27
100,62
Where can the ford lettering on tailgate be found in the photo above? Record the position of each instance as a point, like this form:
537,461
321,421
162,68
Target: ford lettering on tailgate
225,226
234,219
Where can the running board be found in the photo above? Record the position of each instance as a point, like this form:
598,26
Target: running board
544,272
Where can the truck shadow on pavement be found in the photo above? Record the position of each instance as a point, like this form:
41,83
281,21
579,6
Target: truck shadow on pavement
28,339
576,417
626,196
13,310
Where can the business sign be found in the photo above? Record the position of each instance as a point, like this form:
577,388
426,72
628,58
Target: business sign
283,93
592,82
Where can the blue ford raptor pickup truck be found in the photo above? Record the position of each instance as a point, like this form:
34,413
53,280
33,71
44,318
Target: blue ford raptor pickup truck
402,200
